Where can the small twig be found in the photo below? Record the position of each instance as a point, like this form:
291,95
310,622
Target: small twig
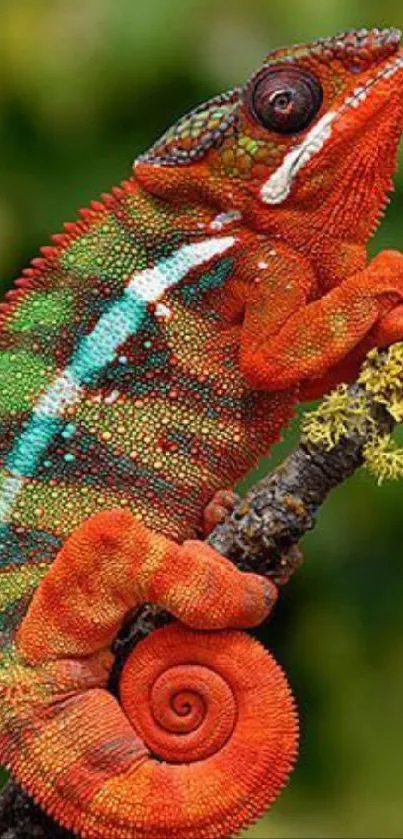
260,535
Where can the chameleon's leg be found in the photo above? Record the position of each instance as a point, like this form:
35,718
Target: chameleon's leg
320,336
386,332
390,328
84,757
345,371
112,564
221,504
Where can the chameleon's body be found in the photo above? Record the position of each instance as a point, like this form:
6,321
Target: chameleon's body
147,359
154,423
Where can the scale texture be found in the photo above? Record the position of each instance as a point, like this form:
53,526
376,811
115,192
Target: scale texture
148,357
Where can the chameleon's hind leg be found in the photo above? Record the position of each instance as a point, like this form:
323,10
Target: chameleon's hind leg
111,565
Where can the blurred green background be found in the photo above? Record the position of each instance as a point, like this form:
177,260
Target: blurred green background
84,86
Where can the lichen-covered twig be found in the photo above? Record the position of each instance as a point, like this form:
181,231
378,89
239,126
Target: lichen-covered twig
351,426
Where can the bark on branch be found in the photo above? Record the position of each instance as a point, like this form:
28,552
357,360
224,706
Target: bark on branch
261,535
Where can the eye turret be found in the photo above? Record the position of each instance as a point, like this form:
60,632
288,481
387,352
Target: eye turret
285,99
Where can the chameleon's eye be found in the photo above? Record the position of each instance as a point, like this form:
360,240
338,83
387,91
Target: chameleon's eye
285,99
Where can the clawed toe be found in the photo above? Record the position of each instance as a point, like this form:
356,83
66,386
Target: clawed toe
222,503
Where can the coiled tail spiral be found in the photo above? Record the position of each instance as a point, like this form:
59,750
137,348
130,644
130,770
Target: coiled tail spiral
217,710
204,733
203,742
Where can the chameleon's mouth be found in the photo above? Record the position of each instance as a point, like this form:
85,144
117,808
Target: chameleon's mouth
278,186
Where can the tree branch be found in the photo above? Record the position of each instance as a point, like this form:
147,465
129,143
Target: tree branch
261,535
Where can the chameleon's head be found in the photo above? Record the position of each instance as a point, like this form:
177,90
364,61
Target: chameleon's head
314,134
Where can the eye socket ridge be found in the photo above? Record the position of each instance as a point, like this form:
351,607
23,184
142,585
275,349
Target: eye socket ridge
285,99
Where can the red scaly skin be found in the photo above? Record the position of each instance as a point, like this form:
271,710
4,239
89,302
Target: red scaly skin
202,717
234,262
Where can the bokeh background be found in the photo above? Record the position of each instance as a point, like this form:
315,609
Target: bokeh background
85,85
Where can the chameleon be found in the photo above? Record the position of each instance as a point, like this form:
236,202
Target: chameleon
148,357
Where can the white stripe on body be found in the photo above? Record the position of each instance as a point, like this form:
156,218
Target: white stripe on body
95,351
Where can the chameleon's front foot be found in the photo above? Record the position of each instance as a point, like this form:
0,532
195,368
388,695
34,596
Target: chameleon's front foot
333,333
206,732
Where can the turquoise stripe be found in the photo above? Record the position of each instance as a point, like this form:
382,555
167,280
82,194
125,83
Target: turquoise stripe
31,445
95,352
99,348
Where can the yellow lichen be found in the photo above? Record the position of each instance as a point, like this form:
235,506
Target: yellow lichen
382,377
383,458
338,414
342,413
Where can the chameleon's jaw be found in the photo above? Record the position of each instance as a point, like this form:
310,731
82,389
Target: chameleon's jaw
339,126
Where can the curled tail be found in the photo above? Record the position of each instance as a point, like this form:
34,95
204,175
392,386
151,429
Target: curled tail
205,734
202,744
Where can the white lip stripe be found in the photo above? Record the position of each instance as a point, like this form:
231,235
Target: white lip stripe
94,352
278,186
